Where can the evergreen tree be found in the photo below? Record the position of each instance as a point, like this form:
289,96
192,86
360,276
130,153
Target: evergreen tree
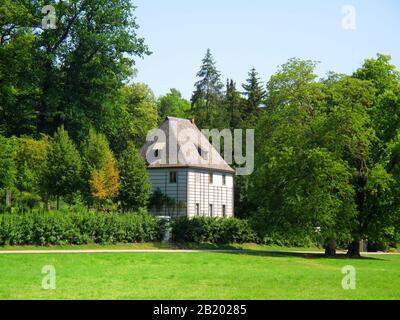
61,177
135,188
207,95
234,104
255,94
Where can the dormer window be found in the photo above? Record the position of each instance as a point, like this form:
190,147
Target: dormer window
156,153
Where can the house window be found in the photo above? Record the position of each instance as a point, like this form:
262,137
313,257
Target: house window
172,177
197,209
211,210
210,178
156,153
224,180
224,210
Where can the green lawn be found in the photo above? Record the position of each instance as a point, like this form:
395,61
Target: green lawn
254,275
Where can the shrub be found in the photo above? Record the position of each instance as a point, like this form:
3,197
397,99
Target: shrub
62,227
212,230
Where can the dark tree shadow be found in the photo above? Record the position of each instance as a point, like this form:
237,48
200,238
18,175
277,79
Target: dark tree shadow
311,255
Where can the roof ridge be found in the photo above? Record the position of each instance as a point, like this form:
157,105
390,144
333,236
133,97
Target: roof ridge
176,118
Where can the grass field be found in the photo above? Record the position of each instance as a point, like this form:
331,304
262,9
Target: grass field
252,275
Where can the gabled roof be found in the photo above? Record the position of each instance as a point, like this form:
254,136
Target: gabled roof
192,148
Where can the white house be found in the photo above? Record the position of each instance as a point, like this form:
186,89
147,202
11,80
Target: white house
187,174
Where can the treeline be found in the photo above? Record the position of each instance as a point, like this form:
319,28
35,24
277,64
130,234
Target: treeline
328,155
327,149
40,173
71,124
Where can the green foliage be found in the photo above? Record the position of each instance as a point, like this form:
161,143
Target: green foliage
99,162
173,105
323,154
69,75
255,94
7,164
135,188
234,106
80,227
134,114
30,159
212,230
62,174
207,95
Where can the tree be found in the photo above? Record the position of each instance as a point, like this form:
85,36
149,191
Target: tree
135,188
30,160
100,169
61,178
207,95
7,168
135,114
172,104
234,105
294,83
300,189
377,182
255,94
325,159
19,79
385,79
105,183
69,75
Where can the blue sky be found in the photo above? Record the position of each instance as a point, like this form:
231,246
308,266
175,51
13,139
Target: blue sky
259,33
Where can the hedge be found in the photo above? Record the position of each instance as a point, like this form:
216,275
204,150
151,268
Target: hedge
61,228
212,230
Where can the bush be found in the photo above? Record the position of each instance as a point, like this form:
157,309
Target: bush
212,230
62,227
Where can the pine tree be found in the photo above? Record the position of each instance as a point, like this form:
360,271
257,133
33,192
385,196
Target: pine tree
208,92
62,174
254,92
135,188
234,104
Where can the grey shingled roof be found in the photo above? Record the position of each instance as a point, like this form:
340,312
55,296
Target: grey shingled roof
188,152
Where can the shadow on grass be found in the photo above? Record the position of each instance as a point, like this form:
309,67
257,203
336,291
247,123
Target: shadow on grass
203,246
267,253
311,255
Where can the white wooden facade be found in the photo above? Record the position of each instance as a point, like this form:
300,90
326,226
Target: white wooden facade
200,183
195,192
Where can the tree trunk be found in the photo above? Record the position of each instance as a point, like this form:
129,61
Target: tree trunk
58,202
354,249
330,248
